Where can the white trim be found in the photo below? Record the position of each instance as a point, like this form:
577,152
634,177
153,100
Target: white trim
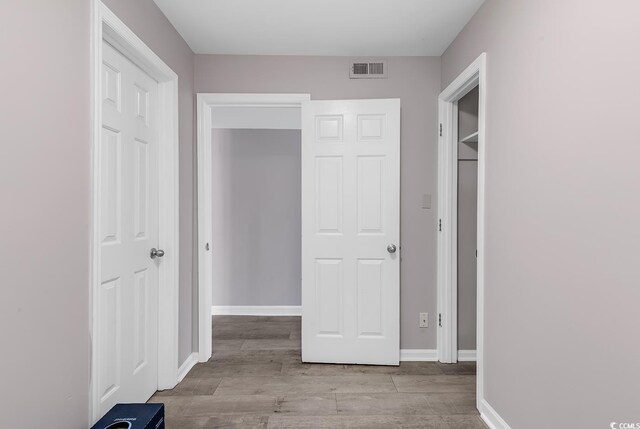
205,263
253,100
467,355
256,310
418,355
431,355
107,26
472,76
491,416
187,365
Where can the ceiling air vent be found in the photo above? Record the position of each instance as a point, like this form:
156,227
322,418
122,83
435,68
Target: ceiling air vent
368,70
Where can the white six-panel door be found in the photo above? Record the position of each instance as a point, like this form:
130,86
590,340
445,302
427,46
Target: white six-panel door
351,207
127,295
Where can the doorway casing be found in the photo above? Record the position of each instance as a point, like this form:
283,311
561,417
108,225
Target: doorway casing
206,102
473,76
108,27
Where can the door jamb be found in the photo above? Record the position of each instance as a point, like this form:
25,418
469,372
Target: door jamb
205,103
474,75
107,26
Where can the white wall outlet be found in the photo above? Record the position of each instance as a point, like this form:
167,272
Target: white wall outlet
424,320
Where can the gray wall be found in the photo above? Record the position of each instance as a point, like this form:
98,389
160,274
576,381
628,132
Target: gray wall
416,81
256,217
562,208
467,222
145,19
44,233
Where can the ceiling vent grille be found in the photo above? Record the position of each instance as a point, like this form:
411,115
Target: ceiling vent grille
368,70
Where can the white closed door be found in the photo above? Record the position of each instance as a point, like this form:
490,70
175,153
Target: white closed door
351,231
127,296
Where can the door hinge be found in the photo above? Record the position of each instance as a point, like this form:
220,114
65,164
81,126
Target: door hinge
440,225
440,130
440,320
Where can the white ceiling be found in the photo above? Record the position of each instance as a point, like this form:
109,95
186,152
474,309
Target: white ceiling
319,27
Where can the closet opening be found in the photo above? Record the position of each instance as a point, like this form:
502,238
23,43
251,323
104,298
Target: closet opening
461,231
467,222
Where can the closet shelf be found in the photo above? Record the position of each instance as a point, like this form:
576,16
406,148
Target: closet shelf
471,138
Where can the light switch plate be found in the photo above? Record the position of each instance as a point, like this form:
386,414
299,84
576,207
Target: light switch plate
426,201
424,320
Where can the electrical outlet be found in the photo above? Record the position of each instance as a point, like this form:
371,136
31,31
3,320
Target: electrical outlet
424,320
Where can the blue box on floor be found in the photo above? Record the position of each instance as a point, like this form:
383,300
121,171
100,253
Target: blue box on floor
133,416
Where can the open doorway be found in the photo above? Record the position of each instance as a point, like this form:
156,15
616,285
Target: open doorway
256,224
249,220
248,173
461,175
457,318
467,225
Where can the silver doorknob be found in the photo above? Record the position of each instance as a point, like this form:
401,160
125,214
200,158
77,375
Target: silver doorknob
156,253
391,248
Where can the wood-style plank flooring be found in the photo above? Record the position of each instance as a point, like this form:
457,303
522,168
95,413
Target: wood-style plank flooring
256,379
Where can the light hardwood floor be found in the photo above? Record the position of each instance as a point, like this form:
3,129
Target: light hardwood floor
257,380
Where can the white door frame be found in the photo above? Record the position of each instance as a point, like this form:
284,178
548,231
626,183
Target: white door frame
206,102
474,75
108,27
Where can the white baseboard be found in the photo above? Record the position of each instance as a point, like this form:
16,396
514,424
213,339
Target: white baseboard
491,417
418,355
189,363
431,355
256,310
466,355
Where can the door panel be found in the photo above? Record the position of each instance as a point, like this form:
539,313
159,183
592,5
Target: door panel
329,290
370,194
329,194
351,208
128,209
109,296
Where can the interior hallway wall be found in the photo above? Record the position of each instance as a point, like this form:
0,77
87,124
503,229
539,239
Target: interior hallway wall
44,233
562,208
145,19
416,81
256,217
